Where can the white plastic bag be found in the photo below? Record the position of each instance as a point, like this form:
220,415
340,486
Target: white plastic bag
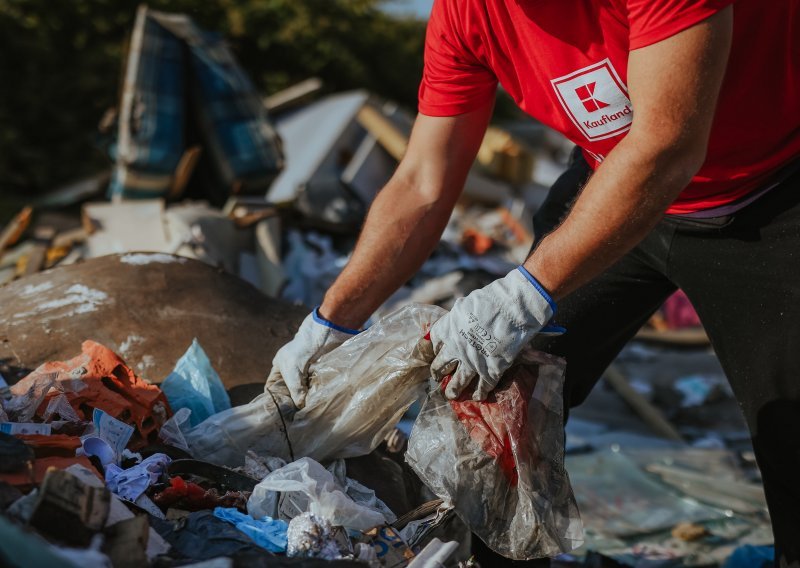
310,488
359,391
500,462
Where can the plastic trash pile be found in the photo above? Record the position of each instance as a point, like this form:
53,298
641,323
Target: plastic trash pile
102,468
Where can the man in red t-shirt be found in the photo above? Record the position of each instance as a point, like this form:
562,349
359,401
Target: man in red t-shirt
687,114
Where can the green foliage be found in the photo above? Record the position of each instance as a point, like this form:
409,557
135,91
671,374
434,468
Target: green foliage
61,63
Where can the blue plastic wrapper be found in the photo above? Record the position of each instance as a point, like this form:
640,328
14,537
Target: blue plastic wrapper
194,384
749,556
266,532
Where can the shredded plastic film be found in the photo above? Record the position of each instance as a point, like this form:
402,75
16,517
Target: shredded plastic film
500,462
359,391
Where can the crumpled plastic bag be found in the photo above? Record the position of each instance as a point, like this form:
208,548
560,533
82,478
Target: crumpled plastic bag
500,462
310,536
171,432
359,391
194,384
311,488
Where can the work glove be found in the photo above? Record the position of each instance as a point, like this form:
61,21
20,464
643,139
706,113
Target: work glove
316,337
484,332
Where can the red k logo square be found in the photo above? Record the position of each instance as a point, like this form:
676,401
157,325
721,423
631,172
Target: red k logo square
596,100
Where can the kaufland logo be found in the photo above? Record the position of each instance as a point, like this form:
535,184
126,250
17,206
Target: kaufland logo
596,100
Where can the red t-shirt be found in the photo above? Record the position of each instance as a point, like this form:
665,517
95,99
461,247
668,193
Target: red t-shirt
565,63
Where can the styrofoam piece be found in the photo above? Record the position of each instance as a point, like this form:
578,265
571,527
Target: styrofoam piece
126,226
434,555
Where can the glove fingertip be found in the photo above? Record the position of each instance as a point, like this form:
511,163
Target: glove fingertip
452,391
479,395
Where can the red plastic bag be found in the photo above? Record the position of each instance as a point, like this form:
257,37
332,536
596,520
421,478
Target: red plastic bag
500,462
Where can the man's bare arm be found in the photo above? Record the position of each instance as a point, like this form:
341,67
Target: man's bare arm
674,85
408,216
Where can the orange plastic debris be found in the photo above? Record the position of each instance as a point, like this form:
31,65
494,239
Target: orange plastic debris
26,480
52,445
475,242
111,386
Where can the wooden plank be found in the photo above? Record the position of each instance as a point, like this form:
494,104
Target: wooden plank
651,415
183,172
292,96
386,133
15,228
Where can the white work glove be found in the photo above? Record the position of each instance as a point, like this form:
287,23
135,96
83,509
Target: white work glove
316,337
484,332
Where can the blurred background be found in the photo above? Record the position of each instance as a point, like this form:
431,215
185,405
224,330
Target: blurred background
62,64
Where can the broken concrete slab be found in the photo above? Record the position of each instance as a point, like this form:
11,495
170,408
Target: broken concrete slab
148,308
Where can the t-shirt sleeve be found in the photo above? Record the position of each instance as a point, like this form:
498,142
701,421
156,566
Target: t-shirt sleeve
454,81
651,21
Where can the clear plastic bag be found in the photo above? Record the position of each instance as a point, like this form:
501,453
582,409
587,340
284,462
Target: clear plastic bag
500,462
359,391
311,488
171,432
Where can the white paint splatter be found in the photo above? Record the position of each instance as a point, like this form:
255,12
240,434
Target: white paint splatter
83,298
129,342
143,258
146,363
32,289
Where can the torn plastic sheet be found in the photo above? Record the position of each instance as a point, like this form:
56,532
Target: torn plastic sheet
171,432
310,487
60,407
27,397
500,462
619,500
359,391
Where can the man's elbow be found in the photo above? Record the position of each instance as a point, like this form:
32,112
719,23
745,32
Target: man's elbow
415,181
676,155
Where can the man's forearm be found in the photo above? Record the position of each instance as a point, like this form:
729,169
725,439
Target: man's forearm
674,86
403,227
622,202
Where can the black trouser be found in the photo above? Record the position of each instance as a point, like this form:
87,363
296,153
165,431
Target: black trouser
742,274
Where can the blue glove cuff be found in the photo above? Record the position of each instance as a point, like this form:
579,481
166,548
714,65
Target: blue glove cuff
322,321
539,288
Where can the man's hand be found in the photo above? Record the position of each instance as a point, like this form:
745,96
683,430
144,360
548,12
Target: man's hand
316,337
484,332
